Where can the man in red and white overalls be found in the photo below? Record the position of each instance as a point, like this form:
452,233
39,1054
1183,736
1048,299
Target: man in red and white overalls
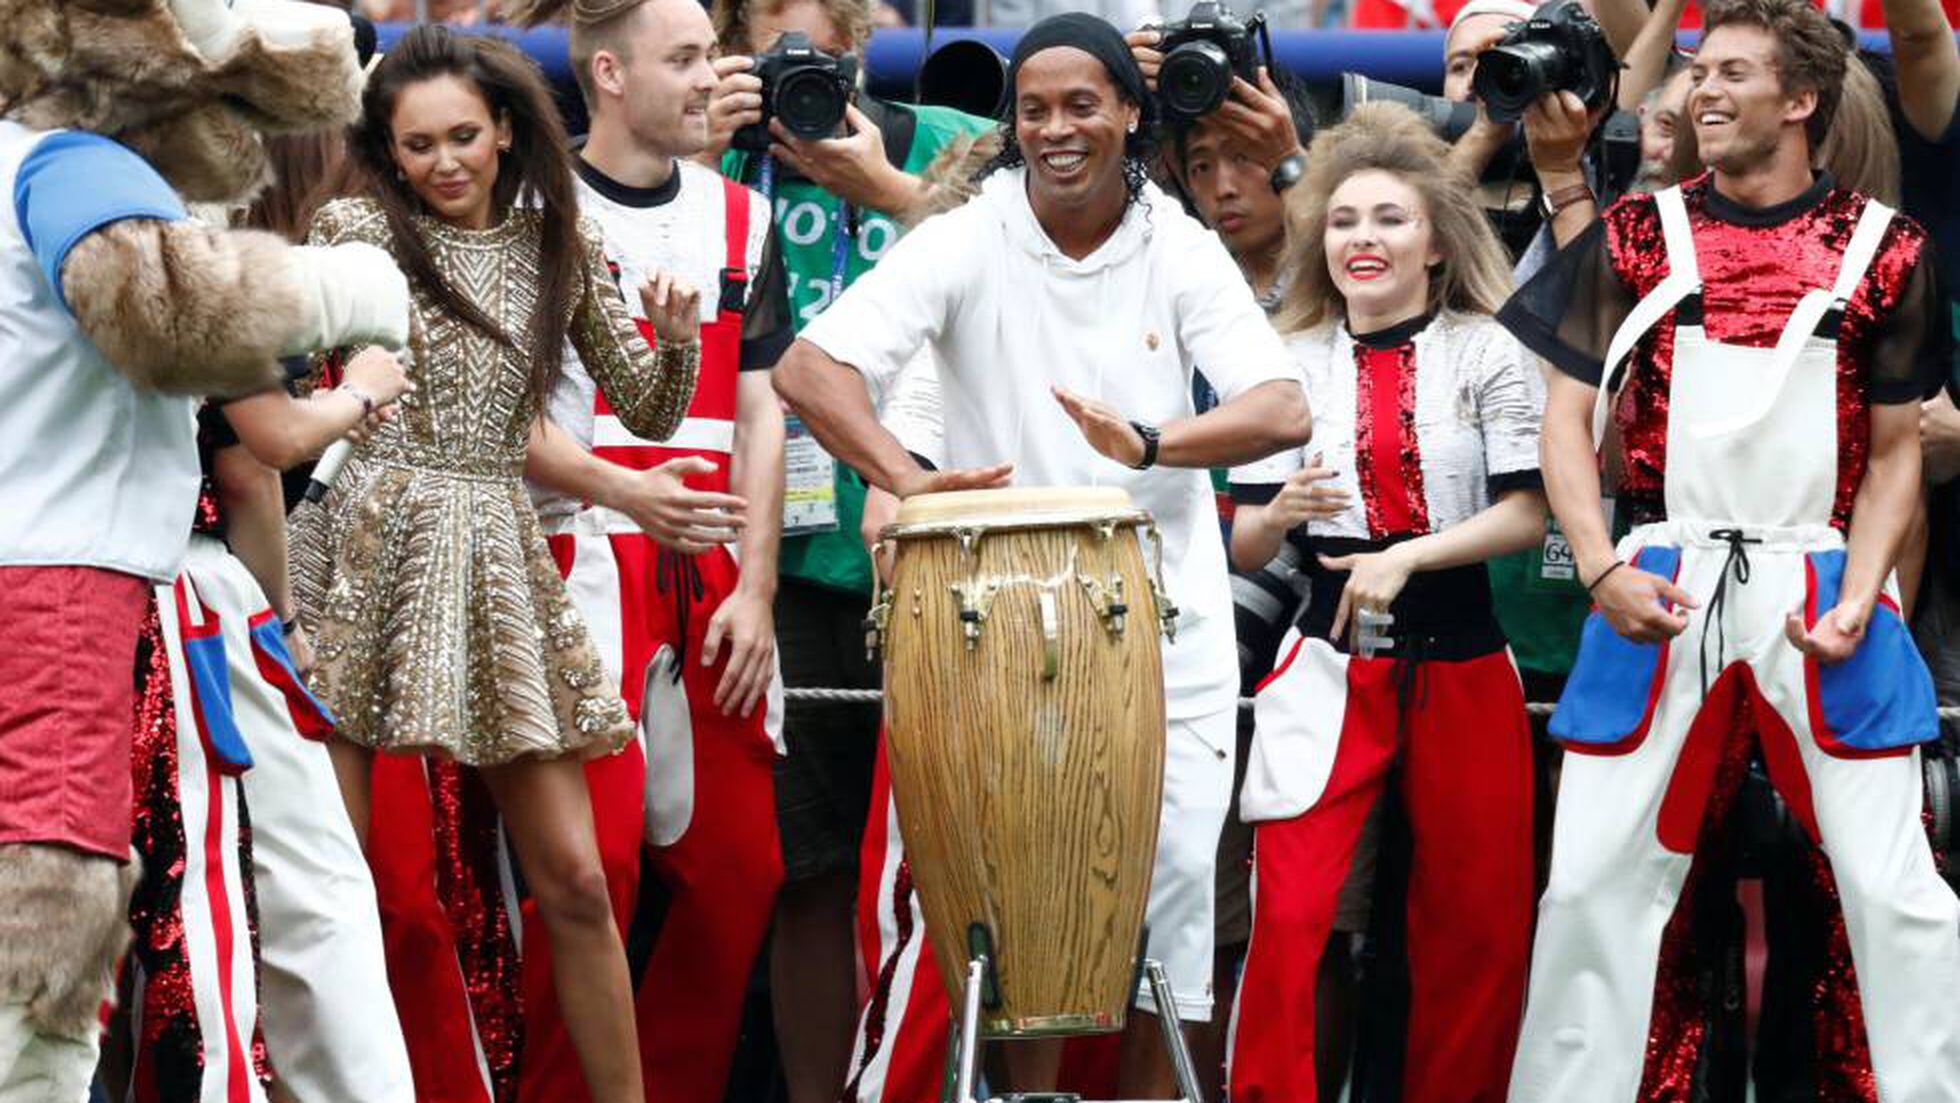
1760,338
683,617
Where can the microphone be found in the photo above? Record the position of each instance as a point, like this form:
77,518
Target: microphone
328,469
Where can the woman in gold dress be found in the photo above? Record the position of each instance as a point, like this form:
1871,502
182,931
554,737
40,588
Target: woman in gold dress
439,620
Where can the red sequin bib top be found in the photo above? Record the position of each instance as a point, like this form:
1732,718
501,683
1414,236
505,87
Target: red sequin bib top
1753,273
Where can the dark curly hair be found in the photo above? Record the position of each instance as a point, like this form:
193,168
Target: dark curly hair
1810,53
1139,147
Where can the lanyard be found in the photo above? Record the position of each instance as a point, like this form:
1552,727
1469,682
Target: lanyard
843,221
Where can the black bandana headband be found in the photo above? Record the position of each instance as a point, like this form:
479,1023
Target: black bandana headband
1093,36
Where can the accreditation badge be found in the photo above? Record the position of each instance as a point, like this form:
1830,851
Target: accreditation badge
809,482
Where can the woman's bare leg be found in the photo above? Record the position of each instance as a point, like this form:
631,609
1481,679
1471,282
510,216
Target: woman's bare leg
353,767
548,814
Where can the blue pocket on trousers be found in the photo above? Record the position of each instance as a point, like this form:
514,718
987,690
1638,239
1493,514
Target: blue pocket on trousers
1609,698
1880,700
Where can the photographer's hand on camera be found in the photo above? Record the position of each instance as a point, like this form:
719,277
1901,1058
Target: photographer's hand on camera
1556,130
736,103
852,167
1143,46
1257,116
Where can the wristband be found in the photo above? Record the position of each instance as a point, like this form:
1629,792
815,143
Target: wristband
1555,201
367,400
1150,435
288,626
1594,584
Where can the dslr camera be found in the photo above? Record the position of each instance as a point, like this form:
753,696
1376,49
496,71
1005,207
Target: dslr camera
1559,49
1202,53
801,85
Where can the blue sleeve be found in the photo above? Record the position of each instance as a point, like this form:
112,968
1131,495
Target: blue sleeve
72,184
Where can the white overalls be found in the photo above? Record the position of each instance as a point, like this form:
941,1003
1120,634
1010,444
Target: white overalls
1751,473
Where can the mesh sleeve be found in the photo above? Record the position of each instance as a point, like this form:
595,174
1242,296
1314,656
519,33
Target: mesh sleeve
1569,311
767,326
1912,353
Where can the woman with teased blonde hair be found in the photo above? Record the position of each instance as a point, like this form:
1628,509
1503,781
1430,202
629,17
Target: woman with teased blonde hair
1424,465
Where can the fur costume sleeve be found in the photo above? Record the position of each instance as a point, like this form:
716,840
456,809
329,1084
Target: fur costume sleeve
183,308
649,392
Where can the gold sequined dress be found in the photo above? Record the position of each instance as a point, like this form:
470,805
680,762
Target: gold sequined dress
437,615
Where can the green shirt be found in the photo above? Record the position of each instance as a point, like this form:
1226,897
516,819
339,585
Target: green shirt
1542,608
806,221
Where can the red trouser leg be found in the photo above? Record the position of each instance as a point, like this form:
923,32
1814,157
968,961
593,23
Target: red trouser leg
722,875
1466,773
1298,868
722,862
550,1071
900,1052
425,967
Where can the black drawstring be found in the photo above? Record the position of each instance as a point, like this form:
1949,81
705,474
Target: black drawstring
1736,563
679,574
1410,686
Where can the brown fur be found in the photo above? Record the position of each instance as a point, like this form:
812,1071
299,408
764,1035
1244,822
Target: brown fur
63,923
123,68
184,309
949,177
209,155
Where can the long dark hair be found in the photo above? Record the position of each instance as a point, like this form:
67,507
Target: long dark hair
304,166
537,167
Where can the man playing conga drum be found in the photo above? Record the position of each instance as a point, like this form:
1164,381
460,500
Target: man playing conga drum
1070,279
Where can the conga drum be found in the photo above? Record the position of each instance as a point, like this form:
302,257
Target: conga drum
1024,713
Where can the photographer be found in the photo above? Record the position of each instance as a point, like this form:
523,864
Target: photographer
1478,26
839,203
1558,126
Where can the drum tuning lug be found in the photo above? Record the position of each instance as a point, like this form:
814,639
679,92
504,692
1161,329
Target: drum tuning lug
1051,636
1108,601
975,601
1166,611
968,537
875,623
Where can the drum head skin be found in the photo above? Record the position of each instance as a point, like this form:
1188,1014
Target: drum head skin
1077,502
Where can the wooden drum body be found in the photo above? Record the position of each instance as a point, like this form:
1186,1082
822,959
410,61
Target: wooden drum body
1024,711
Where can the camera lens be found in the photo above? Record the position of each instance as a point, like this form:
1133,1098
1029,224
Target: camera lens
1510,77
1194,80
810,102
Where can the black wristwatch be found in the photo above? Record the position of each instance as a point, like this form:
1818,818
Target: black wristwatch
1150,435
1288,172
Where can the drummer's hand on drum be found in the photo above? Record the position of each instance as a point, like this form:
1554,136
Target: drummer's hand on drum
1103,426
1374,581
1304,498
746,623
923,481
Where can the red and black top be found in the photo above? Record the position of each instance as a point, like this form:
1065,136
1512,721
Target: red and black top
1755,263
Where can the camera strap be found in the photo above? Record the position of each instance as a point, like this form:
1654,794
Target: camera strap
842,230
